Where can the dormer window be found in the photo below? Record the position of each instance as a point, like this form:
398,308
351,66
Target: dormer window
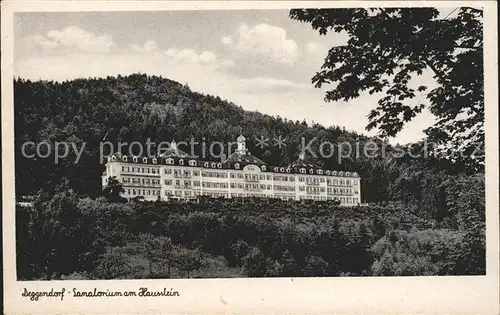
181,162
205,164
113,158
237,165
347,174
192,163
263,168
311,171
134,159
282,169
334,173
320,172
355,174
219,165
328,172
124,158
169,161
144,160
303,170
341,173
155,161
212,165
287,170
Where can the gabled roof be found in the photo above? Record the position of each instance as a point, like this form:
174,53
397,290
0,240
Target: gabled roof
174,152
243,159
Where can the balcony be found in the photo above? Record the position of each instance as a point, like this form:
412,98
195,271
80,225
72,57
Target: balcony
176,175
139,173
313,183
253,189
252,180
141,185
313,192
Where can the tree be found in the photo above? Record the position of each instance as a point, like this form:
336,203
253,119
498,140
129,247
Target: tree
255,263
188,260
387,48
61,238
113,189
159,251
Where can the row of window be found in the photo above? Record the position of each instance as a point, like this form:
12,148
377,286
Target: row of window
144,181
178,193
214,174
144,170
341,191
181,162
190,184
142,192
343,200
187,173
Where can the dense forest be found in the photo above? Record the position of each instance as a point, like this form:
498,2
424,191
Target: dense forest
425,215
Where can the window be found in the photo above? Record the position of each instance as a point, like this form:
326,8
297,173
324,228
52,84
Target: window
219,165
134,159
237,166
144,160
169,161
168,171
113,158
303,170
192,163
168,182
155,161
263,168
124,158
181,162
212,165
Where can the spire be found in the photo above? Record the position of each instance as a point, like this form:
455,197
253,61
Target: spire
241,145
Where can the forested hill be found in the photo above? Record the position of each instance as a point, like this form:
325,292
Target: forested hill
138,107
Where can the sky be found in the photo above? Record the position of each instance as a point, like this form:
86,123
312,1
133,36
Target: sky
259,59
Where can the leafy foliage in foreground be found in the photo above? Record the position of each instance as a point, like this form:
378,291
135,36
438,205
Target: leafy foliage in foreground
388,48
95,238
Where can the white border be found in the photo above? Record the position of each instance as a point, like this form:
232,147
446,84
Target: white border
372,295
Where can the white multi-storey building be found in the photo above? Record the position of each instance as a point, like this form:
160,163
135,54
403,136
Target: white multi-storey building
176,174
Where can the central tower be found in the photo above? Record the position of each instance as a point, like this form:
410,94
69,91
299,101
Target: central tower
241,145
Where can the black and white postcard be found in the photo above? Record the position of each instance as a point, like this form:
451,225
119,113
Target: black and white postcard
250,157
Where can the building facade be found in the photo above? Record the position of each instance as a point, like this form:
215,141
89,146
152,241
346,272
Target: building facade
176,174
